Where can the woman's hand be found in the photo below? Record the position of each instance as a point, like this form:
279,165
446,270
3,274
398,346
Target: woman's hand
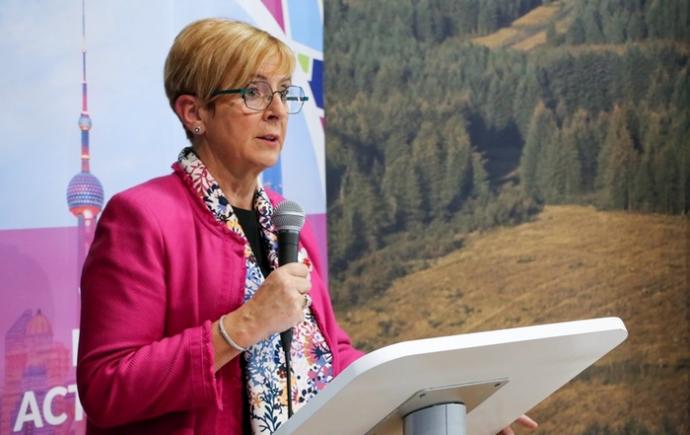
278,304
523,421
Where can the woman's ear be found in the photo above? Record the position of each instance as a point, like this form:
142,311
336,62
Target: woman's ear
189,110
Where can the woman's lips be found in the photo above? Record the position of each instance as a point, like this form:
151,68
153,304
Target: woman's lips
270,138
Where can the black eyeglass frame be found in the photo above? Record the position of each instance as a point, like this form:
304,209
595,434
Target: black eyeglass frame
243,92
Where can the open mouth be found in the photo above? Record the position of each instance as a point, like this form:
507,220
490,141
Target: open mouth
269,137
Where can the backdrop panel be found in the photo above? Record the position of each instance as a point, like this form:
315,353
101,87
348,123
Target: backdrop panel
122,122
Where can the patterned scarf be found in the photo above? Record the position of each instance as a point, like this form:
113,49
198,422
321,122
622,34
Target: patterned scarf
265,371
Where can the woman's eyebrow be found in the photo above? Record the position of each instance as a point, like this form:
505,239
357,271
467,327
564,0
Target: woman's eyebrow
262,77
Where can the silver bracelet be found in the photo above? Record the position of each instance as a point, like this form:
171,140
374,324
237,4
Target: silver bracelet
227,338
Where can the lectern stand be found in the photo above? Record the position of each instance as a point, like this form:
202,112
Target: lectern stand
472,384
443,418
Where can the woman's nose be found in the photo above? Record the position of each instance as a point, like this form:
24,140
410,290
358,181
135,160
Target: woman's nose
277,106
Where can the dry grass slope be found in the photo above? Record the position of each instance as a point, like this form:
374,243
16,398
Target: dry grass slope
538,16
499,38
529,31
531,42
572,262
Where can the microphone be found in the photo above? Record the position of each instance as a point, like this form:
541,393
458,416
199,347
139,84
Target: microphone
288,218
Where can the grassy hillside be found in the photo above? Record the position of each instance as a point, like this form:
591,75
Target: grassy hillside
529,31
572,262
427,129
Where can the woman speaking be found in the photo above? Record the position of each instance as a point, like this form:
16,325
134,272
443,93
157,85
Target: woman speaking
183,300
183,297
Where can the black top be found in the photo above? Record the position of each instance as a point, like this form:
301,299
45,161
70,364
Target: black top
249,221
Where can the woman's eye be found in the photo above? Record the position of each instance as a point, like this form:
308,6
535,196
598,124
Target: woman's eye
252,92
284,94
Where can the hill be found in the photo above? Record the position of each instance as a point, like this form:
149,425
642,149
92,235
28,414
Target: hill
571,262
429,129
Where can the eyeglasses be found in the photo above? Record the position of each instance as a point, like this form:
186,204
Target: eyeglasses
259,95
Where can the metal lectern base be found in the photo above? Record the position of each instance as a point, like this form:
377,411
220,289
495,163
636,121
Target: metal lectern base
441,419
438,403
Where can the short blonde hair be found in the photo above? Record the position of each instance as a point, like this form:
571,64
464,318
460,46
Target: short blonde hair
217,53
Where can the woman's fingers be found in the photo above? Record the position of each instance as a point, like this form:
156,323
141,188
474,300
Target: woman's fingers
280,301
292,276
523,421
296,269
527,422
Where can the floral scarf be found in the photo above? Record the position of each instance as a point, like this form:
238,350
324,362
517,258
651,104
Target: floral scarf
312,360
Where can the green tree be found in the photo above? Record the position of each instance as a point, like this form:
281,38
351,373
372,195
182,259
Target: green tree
552,38
488,19
457,178
575,34
592,23
644,195
481,189
618,162
428,157
568,176
637,29
540,137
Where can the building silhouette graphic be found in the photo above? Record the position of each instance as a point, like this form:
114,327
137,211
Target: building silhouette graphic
35,364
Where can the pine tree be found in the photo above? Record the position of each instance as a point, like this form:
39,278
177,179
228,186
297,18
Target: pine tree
570,164
660,89
644,194
637,29
587,142
467,16
527,95
542,131
576,32
654,19
428,157
457,178
551,35
671,166
481,188
489,17
681,90
592,23
415,199
618,163
403,188
391,187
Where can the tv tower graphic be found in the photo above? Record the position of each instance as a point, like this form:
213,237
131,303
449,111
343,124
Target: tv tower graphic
84,191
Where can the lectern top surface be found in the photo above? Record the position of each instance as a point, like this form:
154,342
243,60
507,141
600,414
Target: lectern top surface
532,363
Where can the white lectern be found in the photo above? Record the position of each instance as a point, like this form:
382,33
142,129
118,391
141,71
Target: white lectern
462,384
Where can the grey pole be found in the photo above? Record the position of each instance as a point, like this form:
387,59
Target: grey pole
441,419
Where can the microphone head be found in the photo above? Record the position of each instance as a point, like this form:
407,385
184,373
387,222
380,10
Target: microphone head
288,216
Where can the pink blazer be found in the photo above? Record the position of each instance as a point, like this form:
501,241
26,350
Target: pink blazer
159,272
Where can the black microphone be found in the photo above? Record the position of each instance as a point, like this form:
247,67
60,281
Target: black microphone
288,218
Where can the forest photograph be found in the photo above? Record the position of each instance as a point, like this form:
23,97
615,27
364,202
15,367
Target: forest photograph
502,163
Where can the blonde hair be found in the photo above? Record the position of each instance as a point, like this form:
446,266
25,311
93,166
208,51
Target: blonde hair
217,53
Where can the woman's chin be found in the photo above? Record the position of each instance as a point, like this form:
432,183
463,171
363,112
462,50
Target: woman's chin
269,161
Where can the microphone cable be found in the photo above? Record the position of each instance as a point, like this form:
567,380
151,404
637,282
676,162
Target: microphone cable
286,342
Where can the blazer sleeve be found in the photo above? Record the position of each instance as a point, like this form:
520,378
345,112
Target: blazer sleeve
128,369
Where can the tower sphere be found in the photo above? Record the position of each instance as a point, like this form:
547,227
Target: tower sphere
85,195
84,122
